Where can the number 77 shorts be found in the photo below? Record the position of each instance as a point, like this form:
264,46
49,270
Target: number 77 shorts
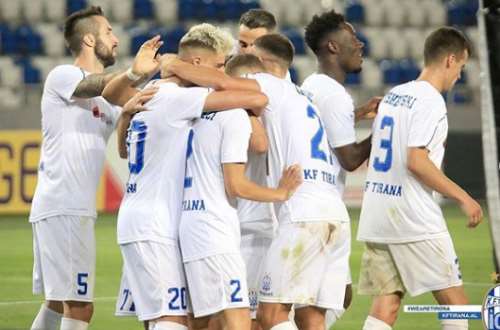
64,258
153,280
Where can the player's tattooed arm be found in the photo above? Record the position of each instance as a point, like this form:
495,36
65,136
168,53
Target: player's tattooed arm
238,185
133,106
351,156
258,139
420,165
93,85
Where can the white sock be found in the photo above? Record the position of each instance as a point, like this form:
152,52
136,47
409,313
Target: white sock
284,326
332,315
454,324
167,325
72,324
372,323
46,319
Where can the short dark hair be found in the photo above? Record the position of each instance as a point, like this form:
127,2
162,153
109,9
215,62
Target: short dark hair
277,45
258,18
242,61
320,26
444,41
74,30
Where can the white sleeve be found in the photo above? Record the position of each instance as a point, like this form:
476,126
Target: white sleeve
180,102
271,87
63,80
236,132
424,122
337,112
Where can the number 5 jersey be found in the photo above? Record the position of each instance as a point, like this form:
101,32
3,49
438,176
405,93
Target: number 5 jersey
397,207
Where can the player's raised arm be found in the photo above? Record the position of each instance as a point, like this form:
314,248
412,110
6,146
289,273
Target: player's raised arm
146,63
424,169
259,143
134,105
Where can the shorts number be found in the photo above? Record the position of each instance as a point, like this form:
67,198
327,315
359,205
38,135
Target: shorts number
174,304
316,152
127,293
385,165
136,162
81,279
237,287
188,180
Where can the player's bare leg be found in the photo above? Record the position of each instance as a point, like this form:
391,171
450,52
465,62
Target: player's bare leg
77,315
215,323
199,323
256,325
384,312
170,322
49,316
274,315
310,318
452,296
236,318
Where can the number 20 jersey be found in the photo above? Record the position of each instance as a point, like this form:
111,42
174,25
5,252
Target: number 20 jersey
297,136
157,142
397,207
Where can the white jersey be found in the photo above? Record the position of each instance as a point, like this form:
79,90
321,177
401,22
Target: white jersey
157,141
337,112
209,224
297,136
75,134
256,217
397,207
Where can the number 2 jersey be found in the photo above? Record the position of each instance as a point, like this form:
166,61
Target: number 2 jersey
397,207
157,140
297,136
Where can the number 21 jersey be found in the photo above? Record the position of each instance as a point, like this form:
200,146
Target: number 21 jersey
397,207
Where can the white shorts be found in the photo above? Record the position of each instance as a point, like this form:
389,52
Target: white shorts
154,277
253,251
217,283
64,258
416,267
307,264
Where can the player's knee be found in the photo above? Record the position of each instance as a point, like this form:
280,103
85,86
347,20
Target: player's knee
199,322
267,316
79,310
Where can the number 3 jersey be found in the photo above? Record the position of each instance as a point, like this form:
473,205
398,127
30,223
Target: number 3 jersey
397,207
297,136
157,140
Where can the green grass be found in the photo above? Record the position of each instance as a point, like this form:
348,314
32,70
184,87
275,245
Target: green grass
18,306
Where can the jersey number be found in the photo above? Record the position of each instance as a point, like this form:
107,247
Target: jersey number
188,180
81,280
174,302
316,152
385,165
136,162
237,288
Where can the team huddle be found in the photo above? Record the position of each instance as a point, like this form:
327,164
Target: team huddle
233,215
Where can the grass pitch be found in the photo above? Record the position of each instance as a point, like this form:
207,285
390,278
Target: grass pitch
18,306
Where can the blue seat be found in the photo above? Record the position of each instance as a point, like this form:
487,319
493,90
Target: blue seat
31,74
137,40
353,79
456,13
409,70
186,9
143,9
354,12
8,40
75,5
28,41
297,40
364,39
173,37
463,78
391,72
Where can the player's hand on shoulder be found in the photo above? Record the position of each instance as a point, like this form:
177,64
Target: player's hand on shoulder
369,109
473,211
147,61
166,62
136,103
290,180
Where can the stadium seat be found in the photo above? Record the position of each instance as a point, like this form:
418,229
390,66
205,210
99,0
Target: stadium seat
31,74
397,45
472,69
354,12
44,64
415,39
10,11
33,10
391,72
395,13
305,65
297,40
374,14
106,6
366,42
166,11
55,10
138,37
294,15
10,99
53,39
121,10
143,9
436,13
379,47
28,40
123,39
276,7
353,79
371,76
409,70
8,40
173,38
415,13
75,5
11,74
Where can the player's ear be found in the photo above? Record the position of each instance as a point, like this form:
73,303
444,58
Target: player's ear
333,47
196,60
89,40
450,59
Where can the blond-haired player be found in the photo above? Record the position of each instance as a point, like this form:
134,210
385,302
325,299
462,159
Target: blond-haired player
408,247
149,215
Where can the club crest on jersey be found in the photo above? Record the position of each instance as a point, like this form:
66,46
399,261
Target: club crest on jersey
266,285
252,299
98,114
491,309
